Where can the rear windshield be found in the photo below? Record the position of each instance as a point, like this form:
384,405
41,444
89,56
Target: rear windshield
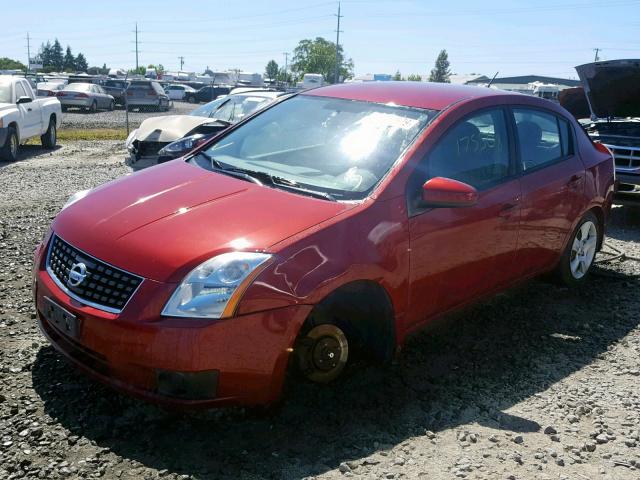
329,145
78,87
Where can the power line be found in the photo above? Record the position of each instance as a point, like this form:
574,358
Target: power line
337,77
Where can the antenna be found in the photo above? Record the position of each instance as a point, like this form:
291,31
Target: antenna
491,81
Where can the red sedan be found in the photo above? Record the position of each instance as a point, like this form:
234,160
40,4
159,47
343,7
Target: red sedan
330,225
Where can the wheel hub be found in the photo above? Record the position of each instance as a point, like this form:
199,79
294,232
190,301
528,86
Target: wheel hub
323,353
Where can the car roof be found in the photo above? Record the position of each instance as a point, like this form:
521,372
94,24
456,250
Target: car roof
436,96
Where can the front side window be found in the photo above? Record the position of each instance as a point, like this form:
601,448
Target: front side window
20,91
539,138
474,151
340,147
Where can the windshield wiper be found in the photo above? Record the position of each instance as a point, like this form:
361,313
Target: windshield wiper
233,172
262,178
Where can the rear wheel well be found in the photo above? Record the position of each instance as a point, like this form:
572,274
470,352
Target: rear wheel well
363,310
599,213
53,117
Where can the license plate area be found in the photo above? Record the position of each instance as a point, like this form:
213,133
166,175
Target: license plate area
63,320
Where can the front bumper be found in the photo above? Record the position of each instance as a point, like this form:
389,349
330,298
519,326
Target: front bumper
4,132
141,353
627,188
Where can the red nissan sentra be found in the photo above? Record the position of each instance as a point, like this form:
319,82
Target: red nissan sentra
331,224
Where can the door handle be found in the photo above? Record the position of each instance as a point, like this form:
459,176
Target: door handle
574,181
506,209
28,109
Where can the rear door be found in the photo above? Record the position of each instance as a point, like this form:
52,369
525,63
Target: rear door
458,254
553,179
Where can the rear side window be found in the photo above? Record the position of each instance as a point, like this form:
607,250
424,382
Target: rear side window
543,138
474,151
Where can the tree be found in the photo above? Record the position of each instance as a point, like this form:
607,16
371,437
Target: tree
319,56
138,71
69,61
10,64
271,71
81,63
414,77
398,76
57,59
45,54
283,77
441,72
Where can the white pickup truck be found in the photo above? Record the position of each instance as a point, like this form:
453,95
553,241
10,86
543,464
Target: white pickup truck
23,116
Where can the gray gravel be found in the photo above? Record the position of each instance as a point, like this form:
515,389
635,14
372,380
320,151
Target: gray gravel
116,119
537,383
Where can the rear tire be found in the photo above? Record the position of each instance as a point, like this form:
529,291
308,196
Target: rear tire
191,99
50,137
9,150
577,260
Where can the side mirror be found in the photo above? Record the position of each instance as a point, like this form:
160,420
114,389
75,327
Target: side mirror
441,192
24,100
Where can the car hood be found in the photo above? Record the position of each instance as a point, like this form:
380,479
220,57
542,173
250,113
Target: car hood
169,128
612,87
161,222
7,106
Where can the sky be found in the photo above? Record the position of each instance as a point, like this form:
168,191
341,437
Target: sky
512,37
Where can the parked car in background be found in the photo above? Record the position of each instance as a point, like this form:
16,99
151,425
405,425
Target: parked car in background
147,94
178,92
161,138
86,96
116,88
207,94
23,116
613,94
327,227
49,89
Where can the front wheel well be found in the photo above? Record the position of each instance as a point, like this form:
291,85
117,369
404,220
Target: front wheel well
363,310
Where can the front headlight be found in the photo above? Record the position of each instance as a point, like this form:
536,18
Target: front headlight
213,289
185,144
75,197
129,141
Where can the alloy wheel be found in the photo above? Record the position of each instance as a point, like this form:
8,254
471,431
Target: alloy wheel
583,249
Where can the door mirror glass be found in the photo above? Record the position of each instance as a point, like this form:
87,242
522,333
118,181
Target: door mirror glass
440,192
24,100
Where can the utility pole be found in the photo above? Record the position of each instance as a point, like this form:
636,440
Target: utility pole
181,62
337,75
136,45
28,53
286,61
597,57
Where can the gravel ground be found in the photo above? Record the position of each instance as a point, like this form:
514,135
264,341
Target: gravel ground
539,382
116,119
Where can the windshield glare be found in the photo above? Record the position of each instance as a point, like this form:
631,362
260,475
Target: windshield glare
207,109
342,147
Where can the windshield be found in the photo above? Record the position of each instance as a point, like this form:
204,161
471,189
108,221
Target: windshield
5,92
78,87
330,145
207,109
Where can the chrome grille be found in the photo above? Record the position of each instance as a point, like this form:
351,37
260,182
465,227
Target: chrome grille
104,287
627,158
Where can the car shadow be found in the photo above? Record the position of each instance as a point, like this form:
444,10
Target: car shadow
471,368
30,151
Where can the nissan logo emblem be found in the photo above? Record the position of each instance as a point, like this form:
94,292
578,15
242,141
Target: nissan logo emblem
77,274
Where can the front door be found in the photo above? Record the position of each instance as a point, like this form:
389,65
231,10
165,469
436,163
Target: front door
458,254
